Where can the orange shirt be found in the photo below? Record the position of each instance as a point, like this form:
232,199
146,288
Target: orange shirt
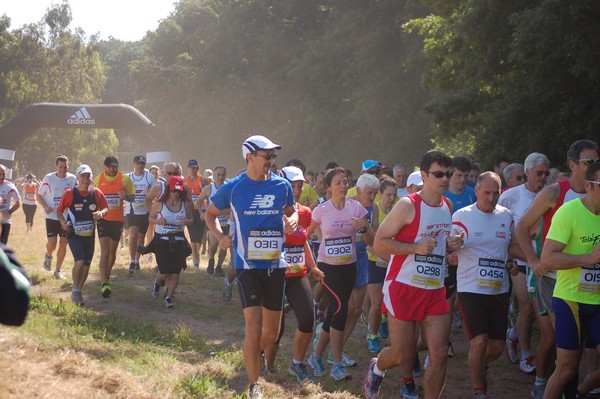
111,188
195,188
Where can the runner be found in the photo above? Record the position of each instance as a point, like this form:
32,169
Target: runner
10,201
84,205
297,287
377,269
339,218
263,210
580,154
171,212
193,182
518,199
482,278
28,189
416,233
117,187
53,185
219,175
136,211
571,247
400,172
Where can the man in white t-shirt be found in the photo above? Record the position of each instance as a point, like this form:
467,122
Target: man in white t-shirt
53,185
482,275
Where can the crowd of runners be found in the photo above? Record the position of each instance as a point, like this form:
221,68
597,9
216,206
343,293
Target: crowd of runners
412,253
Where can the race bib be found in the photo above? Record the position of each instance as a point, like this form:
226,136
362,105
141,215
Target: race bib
30,196
84,228
114,202
339,251
265,244
295,258
223,220
429,271
490,273
138,201
589,278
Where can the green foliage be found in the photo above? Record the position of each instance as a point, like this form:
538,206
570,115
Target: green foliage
46,62
329,81
519,76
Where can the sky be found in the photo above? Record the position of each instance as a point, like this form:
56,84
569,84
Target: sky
127,20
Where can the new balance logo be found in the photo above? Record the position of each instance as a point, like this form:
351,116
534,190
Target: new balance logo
259,206
81,117
263,201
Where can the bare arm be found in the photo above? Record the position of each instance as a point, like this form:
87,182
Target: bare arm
151,196
400,216
542,203
553,257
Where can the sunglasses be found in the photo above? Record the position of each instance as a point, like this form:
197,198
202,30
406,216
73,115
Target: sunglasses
541,173
267,157
438,174
593,182
588,161
171,174
520,177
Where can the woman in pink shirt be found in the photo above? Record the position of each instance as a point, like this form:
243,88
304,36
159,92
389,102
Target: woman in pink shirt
339,219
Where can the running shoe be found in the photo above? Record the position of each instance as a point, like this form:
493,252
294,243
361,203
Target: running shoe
374,345
168,302
58,275
450,349
77,298
339,373
383,329
300,372
48,262
197,265
211,266
105,290
409,391
316,363
480,395
219,271
372,382
155,289
228,287
347,361
594,391
538,391
137,267
426,362
255,392
456,320
512,349
131,267
318,328
527,366
417,369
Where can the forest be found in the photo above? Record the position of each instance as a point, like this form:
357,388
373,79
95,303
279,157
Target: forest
329,80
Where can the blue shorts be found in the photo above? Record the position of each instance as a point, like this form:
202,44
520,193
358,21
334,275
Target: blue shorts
574,322
362,265
82,248
376,273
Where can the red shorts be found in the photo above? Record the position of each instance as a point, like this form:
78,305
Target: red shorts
407,303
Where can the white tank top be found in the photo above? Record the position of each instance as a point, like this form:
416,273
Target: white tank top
173,220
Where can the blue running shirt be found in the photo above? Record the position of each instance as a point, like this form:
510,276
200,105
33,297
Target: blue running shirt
257,210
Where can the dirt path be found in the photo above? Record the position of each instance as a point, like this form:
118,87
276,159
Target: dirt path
33,370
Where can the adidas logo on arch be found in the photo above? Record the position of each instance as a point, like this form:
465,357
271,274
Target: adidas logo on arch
81,117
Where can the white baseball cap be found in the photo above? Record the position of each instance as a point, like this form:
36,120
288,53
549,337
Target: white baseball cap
292,173
257,142
414,178
84,168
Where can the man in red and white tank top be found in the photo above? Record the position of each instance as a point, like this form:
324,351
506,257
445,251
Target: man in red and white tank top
416,234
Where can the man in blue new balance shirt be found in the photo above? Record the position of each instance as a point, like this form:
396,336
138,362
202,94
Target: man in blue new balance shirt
262,207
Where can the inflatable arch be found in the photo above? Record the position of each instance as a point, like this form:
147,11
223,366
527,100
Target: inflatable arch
123,118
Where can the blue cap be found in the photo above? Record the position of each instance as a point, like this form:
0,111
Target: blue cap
368,164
